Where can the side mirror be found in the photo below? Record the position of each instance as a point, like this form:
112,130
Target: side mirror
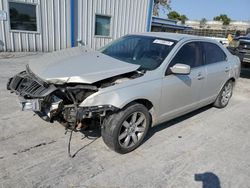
180,69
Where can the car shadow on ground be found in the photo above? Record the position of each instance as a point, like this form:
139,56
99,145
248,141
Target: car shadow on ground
245,72
208,179
170,123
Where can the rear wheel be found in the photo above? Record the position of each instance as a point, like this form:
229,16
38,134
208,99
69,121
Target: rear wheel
124,131
224,95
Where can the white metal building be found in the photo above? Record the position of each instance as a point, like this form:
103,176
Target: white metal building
49,25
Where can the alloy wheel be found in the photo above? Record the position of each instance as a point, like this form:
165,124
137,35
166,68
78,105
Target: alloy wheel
226,93
132,130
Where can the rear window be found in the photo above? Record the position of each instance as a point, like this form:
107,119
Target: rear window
213,53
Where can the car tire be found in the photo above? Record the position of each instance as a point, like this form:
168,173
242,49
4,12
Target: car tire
224,96
125,130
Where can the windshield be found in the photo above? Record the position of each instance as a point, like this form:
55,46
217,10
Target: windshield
148,52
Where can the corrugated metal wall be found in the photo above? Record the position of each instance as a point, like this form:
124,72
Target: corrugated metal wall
53,28
127,16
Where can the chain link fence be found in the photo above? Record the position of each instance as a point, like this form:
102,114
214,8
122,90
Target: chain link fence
220,33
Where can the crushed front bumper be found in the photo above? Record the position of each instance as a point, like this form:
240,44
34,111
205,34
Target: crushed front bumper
43,99
27,86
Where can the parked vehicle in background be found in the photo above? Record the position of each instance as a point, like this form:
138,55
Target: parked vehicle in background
240,47
248,33
131,84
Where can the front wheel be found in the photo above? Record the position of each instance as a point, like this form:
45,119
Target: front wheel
124,131
224,95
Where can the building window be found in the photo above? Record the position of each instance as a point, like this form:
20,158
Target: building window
23,16
102,25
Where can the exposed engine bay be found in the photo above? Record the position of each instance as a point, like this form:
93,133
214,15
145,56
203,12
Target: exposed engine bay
54,102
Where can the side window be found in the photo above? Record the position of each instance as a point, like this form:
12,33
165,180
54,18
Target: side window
213,53
189,54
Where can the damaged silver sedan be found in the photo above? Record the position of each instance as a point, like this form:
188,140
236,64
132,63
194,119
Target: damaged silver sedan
131,84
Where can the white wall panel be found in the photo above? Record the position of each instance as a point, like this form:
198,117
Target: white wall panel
127,16
53,18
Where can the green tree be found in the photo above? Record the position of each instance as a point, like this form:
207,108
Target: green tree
203,22
183,19
224,18
176,16
164,3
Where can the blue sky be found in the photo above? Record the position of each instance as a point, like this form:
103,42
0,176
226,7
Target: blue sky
198,9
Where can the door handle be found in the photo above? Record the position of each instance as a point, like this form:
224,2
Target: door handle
200,76
227,69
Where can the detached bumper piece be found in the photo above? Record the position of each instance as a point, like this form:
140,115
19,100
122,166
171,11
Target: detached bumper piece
88,112
28,87
72,114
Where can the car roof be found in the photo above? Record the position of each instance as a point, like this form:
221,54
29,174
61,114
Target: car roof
172,36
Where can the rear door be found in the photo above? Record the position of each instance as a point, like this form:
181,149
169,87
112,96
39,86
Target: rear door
217,69
181,93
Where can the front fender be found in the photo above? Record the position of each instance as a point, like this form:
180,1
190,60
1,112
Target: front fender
121,97
113,98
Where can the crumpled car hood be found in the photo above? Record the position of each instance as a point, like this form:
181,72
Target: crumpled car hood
78,65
